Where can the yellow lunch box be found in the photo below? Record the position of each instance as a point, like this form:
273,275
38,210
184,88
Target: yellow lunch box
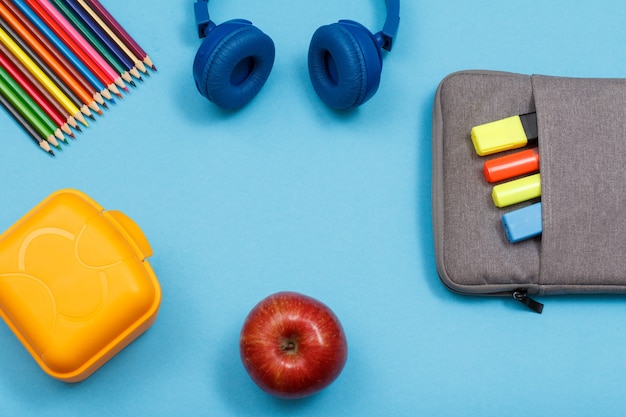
75,286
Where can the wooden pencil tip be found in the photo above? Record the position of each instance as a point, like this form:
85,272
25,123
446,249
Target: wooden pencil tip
126,89
106,106
119,95
154,68
91,117
51,153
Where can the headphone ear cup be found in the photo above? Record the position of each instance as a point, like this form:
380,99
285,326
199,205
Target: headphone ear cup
345,63
233,63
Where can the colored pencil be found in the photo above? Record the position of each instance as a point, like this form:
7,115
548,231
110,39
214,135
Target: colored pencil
59,60
17,101
137,63
39,74
40,88
22,121
64,49
121,32
46,61
70,36
11,13
30,89
28,101
95,40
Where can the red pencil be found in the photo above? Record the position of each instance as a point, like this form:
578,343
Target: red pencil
121,32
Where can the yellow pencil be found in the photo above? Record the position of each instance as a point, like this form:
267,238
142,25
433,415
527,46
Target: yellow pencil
41,76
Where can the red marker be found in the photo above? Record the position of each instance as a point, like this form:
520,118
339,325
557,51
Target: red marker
513,165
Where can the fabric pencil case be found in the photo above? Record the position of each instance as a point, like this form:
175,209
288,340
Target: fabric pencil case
581,126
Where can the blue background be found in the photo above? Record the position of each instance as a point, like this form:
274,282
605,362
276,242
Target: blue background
286,194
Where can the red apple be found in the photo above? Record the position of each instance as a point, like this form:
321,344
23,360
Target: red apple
292,345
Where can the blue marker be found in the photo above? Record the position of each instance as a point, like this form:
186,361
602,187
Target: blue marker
47,32
523,223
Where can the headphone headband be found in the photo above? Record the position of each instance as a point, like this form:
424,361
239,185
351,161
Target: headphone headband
384,37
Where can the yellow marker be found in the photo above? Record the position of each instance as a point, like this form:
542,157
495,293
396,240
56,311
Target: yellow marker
504,134
38,73
516,191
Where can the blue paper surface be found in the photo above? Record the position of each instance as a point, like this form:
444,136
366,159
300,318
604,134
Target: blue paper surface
287,194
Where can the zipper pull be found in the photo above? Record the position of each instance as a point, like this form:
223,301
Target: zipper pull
521,295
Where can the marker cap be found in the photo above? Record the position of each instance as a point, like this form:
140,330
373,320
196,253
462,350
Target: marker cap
504,134
523,223
511,166
516,191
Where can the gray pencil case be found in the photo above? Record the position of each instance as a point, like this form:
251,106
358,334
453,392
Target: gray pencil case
581,126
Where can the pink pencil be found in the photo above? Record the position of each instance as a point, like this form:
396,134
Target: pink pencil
121,32
80,40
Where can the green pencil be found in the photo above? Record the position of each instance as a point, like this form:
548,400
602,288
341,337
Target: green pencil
39,139
30,103
17,101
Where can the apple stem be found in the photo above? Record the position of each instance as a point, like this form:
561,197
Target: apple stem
288,345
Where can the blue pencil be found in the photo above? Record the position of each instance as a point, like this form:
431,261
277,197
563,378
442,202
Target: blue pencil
97,31
58,43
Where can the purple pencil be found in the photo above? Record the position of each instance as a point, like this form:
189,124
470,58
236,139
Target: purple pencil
121,32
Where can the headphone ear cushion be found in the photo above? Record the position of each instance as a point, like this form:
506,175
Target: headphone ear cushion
233,63
345,63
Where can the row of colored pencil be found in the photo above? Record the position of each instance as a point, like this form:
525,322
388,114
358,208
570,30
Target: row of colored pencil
61,61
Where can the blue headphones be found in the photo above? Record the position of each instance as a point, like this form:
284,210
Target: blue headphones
345,59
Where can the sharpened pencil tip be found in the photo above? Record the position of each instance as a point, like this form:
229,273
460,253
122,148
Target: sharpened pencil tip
120,96
72,136
106,106
126,89
133,83
51,153
91,117
154,67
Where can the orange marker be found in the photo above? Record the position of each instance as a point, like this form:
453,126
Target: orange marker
511,166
